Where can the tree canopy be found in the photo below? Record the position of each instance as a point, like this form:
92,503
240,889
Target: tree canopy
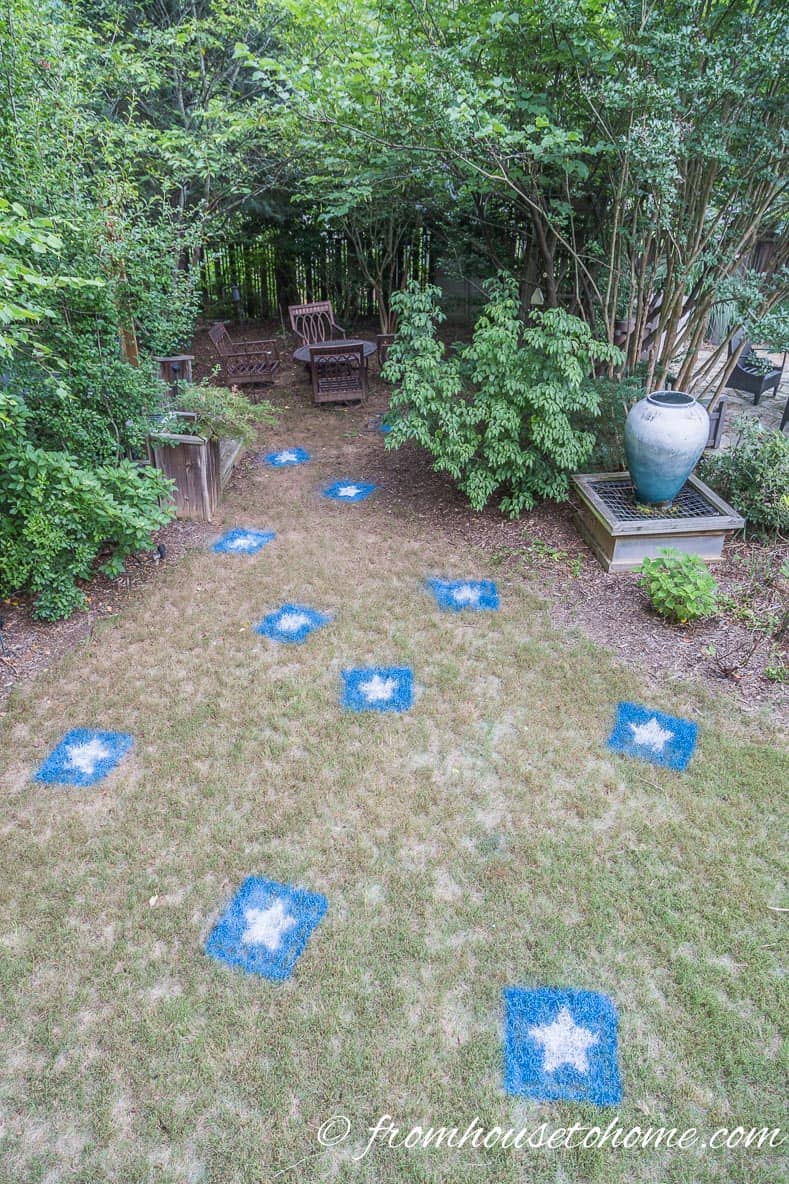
623,160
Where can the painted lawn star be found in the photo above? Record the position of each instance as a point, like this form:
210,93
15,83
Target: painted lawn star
457,595
348,491
378,688
266,927
286,457
561,1043
83,757
653,736
291,623
243,542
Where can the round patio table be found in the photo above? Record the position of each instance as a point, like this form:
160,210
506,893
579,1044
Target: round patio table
302,354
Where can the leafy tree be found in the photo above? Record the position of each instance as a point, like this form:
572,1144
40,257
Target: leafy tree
188,117
634,152
56,517
26,292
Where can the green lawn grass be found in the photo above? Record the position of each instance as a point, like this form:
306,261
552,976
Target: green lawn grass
487,838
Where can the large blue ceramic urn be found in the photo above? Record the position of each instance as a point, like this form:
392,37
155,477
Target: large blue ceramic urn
665,434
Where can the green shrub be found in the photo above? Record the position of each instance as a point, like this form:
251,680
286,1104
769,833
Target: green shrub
56,517
615,397
222,413
97,411
754,474
102,270
498,414
679,586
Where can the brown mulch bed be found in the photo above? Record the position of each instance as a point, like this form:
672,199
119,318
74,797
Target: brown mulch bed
542,547
612,610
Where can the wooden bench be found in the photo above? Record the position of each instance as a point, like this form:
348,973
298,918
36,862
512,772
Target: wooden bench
245,363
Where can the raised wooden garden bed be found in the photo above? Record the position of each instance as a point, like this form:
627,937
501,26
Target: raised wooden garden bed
621,532
199,467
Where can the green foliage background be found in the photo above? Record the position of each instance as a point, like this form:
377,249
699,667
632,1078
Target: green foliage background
621,162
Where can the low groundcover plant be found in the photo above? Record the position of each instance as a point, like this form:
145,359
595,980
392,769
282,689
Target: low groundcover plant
679,586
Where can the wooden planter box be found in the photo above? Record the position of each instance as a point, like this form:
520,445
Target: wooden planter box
200,469
621,533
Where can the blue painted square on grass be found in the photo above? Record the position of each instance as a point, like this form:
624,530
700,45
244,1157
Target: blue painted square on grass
266,927
561,1044
457,595
243,542
653,736
292,623
378,688
84,757
287,457
348,491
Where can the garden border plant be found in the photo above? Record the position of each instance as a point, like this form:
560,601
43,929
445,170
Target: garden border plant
679,586
753,474
500,415
57,517
221,413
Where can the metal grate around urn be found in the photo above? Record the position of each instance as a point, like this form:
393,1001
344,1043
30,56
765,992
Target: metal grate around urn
619,497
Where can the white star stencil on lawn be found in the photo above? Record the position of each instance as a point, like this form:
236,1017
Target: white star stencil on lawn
267,927
286,457
87,755
651,735
378,688
466,594
561,1043
564,1043
243,542
457,595
292,623
347,490
83,757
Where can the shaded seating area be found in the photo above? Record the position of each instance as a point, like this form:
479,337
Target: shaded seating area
339,372
753,374
245,363
337,365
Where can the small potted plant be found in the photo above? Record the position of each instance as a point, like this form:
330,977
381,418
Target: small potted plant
197,438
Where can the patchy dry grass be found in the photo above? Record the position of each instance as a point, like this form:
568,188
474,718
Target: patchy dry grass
487,838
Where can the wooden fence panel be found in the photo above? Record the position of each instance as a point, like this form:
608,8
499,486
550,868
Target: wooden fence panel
275,269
